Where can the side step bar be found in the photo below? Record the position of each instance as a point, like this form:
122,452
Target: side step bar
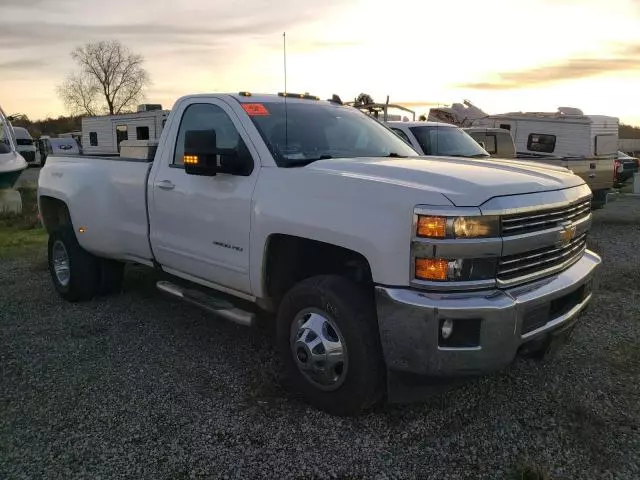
210,303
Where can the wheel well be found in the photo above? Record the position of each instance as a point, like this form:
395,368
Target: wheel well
291,259
54,213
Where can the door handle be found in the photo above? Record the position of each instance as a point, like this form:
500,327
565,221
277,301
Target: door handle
165,185
592,175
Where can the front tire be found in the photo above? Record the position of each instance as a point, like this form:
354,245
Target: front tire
74,271
330,346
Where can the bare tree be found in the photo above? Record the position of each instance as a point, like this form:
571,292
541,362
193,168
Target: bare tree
111,79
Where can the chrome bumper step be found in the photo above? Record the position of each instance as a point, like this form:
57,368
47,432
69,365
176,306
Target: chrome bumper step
212,304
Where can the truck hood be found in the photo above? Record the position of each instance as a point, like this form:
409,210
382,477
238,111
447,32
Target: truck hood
464,181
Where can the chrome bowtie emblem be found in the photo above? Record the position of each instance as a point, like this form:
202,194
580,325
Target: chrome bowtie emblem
567,234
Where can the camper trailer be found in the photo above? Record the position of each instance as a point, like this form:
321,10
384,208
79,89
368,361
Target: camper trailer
102,135
586,144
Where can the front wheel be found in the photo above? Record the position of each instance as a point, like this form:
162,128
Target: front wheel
329,344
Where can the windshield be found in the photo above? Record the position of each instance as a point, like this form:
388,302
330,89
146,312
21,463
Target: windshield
315,131
447,142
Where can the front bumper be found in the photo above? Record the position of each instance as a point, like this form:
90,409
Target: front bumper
409,322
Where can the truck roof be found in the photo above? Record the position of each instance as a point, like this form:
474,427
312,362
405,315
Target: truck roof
246,97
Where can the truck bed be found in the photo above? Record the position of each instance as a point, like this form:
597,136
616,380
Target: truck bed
108,199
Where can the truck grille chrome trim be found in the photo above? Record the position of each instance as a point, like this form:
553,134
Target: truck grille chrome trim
544,219
529,266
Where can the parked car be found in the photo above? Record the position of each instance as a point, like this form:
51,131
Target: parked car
625,167
379,266
25,145
440,139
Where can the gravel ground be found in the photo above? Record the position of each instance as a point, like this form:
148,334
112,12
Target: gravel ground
141,386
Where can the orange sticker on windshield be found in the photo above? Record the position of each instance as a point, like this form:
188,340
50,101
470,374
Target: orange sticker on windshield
255,109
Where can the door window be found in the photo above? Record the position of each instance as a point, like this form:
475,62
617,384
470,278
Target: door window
540,142
142,133
121,134
490,144
205,116
402,135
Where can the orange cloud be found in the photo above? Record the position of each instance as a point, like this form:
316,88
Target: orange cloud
626,59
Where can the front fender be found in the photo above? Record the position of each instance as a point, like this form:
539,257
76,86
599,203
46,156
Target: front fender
369,217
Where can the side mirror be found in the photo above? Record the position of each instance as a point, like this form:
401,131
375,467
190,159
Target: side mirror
203,157
483,145
200,152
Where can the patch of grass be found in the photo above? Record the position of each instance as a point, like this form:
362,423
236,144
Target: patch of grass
528,472
22,234
15,242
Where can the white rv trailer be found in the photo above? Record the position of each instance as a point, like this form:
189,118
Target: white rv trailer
586,144
102,135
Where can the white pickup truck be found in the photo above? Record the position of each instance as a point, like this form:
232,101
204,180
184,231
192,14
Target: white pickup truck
386,272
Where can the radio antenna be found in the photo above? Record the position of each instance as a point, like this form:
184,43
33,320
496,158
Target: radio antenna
286,119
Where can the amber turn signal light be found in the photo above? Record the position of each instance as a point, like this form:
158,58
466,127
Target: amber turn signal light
434,227
190,159
431,269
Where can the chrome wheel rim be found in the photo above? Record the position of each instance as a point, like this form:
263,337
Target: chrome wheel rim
318,348
60,259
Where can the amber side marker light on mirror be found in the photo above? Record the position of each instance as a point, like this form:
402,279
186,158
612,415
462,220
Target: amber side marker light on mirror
431,269
190,159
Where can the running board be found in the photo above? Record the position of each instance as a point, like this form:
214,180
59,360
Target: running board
210,303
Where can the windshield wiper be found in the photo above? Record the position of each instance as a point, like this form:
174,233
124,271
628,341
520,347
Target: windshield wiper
396,155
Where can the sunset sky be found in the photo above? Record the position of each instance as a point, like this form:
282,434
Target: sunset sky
503,55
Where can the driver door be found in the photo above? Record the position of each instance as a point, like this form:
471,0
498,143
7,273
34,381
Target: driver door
200,225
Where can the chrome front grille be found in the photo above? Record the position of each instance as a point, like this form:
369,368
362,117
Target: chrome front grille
544,219
538,263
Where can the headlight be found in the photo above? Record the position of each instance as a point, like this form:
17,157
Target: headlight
460,270
458,227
